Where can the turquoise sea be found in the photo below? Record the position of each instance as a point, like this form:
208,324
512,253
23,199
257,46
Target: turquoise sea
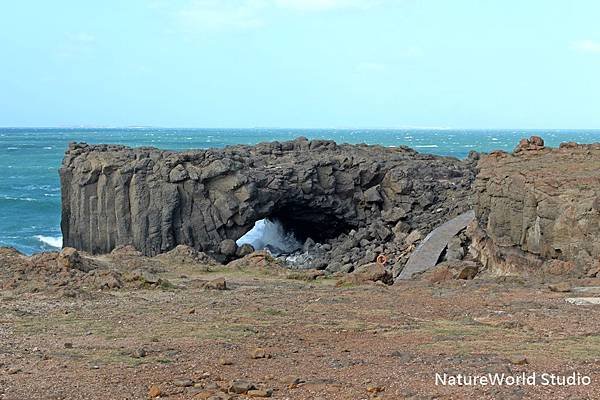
30,158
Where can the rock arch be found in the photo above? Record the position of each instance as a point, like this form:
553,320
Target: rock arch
363,196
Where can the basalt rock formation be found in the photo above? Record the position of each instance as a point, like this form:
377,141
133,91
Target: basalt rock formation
349,202
538,209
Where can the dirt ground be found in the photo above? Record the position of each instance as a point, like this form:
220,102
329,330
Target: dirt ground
292,339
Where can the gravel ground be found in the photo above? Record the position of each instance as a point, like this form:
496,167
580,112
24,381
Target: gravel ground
292,339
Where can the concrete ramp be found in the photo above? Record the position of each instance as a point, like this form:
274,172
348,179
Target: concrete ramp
426,256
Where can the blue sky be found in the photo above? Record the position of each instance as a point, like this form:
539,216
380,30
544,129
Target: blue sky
301,63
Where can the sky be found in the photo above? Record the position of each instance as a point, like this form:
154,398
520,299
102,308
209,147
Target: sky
301,63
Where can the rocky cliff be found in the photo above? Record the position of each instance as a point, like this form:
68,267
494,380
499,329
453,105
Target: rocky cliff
354,201
538,209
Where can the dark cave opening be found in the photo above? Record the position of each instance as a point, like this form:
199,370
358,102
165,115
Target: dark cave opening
286,230
312,223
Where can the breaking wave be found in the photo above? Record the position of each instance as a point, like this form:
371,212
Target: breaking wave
271,235
51,241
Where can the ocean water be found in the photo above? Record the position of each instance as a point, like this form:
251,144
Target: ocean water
30,158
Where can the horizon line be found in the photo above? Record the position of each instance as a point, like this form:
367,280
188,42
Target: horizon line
423,128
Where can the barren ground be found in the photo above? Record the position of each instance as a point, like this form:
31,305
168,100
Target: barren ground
346,342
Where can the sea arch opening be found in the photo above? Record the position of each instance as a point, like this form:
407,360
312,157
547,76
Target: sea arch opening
286,230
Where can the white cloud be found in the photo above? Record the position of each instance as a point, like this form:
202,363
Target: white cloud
77,45
370,67
217,15
82,38
587,46
224,15
325,5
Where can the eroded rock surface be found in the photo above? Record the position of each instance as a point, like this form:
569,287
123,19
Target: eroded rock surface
538,209
353,201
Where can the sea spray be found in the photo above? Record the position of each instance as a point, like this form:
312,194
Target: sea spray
56,242
271,235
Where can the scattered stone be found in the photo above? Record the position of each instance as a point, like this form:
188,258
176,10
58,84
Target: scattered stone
238,386
183,382
293,380
375,389
13,371
413,237
185,254
127,250
216,284
468,271
139,353
108,280
69,258
225,361
371,272
562,287
211,385
205,395
260,393
402,356
154,391
68,345
259,353
144,277
450,270
258,259
310,275
519,360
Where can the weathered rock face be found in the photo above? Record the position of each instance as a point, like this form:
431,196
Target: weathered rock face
362,199
538,205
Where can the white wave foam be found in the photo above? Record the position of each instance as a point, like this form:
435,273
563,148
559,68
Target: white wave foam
4,197
428,145
51,241
270,235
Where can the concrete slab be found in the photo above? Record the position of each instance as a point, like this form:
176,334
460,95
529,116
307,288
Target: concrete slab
426,256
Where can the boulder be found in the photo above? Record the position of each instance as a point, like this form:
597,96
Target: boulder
258,259
239,386
561,287
228,247
413,237
446,271
372,272
184,254
216,284
244,250
69,258
534,143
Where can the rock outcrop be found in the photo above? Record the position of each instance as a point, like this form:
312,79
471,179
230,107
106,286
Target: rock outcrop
538,209
353,201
